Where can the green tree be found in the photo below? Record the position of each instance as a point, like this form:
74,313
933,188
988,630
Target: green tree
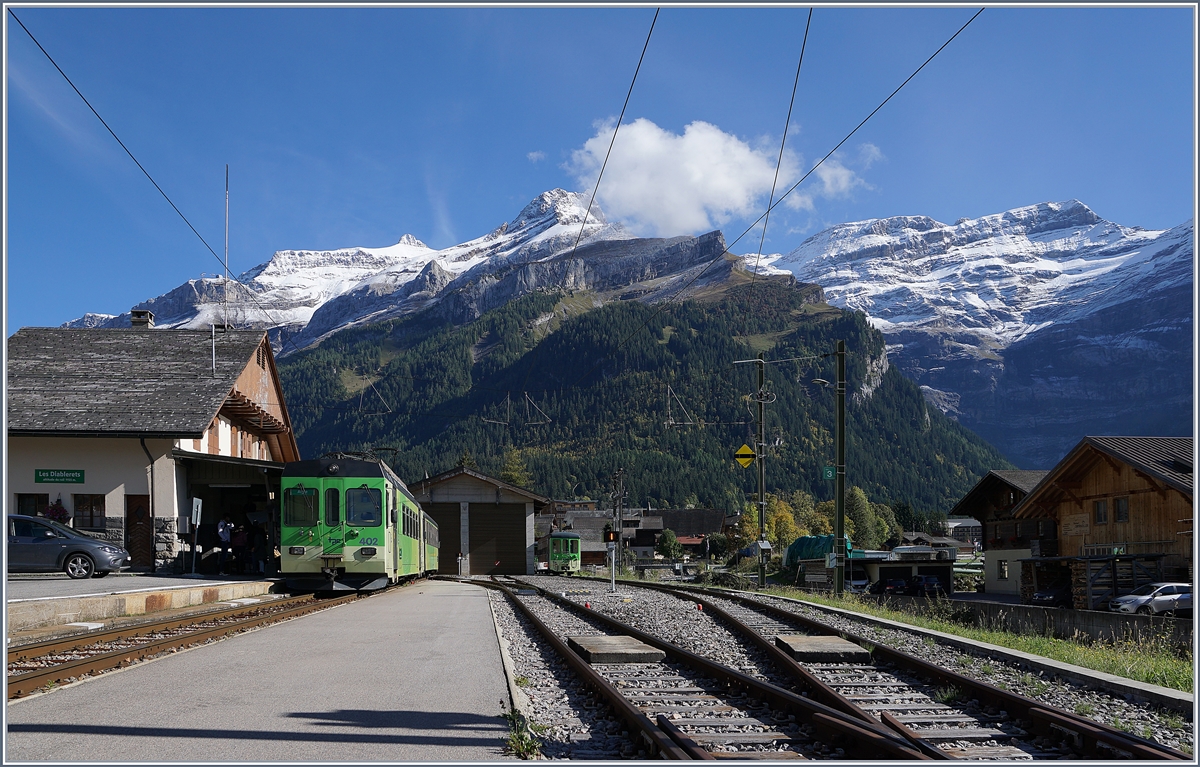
858,508
668,545
781,526
747,527
889,528
808,519
467,460
718,546
828,510
514,471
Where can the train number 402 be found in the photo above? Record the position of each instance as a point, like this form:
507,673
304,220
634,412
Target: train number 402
368,541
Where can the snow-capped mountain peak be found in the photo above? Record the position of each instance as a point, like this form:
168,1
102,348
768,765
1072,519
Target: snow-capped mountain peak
1000,276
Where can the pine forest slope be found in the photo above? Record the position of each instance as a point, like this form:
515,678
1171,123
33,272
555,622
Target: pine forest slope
577,403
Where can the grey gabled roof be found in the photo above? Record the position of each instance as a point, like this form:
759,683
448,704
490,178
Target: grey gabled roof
1019,480
424,485
1022,480
73,381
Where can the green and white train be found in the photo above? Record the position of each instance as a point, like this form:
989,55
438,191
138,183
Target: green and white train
348,523
564,552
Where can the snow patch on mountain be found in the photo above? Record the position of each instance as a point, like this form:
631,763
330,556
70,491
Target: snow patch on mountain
1000,277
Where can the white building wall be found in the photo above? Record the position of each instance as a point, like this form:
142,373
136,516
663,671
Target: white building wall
112,467
991,569
224,437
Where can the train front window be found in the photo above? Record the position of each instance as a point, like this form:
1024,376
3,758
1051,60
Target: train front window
300,506
364,506
333,511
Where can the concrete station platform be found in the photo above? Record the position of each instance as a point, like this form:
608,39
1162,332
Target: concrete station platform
48,606
413,674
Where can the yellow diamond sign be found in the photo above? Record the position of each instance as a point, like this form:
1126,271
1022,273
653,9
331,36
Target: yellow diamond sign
744,456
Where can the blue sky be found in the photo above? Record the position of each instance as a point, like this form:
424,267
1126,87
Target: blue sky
351,127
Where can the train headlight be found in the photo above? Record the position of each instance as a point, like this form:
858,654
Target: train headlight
297,550
368,551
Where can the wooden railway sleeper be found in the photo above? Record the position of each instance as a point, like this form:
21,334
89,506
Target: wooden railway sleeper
925,746
844,730
816,688
638,722
74,642
1110,741
22,684
691,747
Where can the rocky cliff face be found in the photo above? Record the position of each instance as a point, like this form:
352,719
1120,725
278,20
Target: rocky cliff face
1034,327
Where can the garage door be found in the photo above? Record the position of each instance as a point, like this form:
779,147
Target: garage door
447,517
497,539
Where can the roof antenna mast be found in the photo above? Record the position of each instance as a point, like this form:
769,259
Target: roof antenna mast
226,303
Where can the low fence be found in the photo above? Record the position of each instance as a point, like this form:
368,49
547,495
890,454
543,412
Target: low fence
1085,625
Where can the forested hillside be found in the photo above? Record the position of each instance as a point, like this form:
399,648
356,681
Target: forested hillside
579,395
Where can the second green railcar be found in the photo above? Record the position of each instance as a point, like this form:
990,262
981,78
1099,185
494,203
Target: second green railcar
564,552
348,523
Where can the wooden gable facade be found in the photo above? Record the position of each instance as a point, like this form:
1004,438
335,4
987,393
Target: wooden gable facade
1122,495
1123,507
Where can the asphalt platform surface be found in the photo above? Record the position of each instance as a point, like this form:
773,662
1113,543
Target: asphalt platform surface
409,675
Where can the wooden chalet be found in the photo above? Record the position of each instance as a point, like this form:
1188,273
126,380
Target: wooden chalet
1006,540
1123,508
127,427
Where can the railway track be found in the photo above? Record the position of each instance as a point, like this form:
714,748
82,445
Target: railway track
45,665
685,706
940,712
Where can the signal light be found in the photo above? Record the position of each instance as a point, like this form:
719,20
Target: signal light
368,551
296,550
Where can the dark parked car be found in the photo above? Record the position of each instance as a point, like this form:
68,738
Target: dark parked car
889,586
926,586
37,545
1053,596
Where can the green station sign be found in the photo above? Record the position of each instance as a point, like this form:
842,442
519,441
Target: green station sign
59,476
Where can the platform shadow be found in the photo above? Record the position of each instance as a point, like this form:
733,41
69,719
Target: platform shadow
434,728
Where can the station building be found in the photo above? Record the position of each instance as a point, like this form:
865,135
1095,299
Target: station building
126,427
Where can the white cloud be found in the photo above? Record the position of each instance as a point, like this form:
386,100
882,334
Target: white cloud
666,184
660,183
835,179
536,156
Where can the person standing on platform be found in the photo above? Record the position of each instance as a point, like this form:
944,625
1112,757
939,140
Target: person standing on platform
224,533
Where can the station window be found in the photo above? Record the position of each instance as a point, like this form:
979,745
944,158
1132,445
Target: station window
364,506
1001,569
32,504
333,511
89,510
1121,509
300,506
1100,512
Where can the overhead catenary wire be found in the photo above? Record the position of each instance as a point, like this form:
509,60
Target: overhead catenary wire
782,197
782,143
607,154
142,168
114,135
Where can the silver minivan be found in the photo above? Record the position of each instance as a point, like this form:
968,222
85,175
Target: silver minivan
39,545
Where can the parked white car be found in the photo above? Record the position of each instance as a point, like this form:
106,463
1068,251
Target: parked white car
1155,598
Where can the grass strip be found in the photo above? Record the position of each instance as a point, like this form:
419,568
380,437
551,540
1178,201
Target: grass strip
1154,661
